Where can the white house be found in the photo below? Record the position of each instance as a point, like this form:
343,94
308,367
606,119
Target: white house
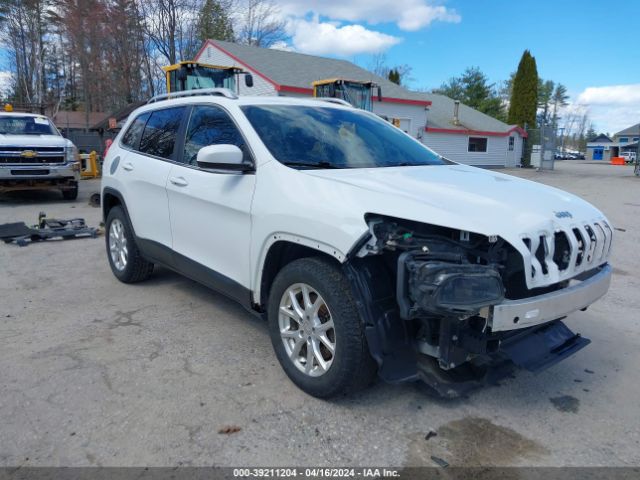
456,131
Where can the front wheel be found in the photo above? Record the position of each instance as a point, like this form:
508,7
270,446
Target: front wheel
70,194
316,331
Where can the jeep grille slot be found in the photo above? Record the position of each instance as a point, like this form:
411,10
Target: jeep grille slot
563,254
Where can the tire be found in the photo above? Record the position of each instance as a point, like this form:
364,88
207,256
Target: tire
70,194
118,232
349,367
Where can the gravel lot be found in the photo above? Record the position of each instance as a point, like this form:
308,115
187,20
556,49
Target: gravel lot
95,372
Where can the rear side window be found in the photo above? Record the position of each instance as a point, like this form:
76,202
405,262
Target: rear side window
211,126
160,132
132,136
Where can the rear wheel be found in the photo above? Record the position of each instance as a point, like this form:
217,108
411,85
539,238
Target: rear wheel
316,330
125,259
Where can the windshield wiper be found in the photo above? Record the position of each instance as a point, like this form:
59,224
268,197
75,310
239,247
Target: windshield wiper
311,164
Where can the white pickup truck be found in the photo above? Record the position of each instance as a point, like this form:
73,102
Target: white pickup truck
34,156
363,249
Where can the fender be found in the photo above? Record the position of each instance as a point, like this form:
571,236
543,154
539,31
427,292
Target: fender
282,236
118,195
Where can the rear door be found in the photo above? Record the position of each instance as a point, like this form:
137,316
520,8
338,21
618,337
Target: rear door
211,210
145,169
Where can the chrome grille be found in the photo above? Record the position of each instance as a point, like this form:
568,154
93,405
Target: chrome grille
11,155
560,255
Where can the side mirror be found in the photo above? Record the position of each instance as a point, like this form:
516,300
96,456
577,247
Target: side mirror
248,80
222,157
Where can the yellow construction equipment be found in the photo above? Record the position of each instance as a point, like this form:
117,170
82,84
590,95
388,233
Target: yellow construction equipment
195,75
89,165
357,93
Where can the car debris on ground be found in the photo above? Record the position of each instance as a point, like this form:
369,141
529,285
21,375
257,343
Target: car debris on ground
46,229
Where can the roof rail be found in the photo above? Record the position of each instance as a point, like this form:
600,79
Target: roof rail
219,92
339,101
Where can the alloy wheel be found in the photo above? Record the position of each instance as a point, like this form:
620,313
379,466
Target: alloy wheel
307,330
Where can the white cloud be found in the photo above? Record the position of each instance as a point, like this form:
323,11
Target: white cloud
321,38
611,95
409,15
612,108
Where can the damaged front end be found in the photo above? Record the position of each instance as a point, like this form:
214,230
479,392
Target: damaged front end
428,295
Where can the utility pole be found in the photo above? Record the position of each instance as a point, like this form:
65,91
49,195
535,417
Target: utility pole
562,138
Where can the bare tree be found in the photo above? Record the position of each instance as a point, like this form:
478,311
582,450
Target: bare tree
170,25
261,23
378,65
23,36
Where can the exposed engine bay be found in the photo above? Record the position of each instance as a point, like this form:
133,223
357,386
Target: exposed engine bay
440,285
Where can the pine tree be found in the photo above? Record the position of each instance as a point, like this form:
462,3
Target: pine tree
524,99
473,89
214,22
524,95
394,76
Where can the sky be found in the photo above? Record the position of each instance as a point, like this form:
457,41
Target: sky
590,46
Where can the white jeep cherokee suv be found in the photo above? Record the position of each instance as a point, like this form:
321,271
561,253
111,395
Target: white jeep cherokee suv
365,251
34,156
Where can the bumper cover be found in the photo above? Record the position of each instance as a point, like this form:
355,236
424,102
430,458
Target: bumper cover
528,312
39,172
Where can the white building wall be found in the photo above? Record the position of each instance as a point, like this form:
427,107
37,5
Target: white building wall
413,118
213,56
513,157
454,147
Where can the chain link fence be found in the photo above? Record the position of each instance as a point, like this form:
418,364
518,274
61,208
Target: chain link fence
541,148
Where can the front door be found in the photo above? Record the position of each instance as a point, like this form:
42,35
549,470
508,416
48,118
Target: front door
211,210
597,153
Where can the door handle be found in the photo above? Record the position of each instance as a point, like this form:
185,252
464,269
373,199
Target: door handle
178,181
128,166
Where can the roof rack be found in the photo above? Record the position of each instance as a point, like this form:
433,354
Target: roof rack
339,101
218,92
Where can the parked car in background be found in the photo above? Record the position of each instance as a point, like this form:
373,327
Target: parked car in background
35,156
629,157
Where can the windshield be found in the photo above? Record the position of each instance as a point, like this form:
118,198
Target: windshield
325,137
203,77
22,125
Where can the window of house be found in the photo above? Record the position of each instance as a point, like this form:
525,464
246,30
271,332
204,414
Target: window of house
635,139
477,144
131,137
624,139
211,126
512,142
159,136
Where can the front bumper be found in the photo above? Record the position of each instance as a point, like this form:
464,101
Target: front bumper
13,176
528,312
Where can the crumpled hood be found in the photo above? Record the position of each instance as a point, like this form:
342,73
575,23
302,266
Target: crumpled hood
468,198
34,141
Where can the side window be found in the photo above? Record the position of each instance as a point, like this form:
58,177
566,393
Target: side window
160,133
477,144
211,126
512,141
131,138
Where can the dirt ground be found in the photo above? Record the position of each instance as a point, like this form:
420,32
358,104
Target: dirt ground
95,372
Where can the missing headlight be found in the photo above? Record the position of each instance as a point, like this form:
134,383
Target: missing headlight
433,286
